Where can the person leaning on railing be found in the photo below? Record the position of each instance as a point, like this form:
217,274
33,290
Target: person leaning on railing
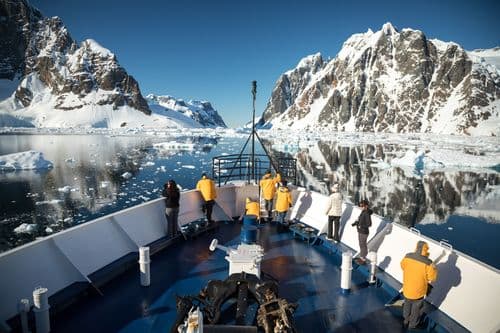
268,187
172,196
206,186
252,208
418,272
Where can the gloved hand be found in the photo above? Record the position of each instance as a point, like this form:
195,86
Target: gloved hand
355,224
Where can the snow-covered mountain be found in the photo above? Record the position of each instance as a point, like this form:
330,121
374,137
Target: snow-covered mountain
391,81
196,113
48,80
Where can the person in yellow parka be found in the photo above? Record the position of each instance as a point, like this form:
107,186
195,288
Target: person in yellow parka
206,186
268,188
283,201
418,271
252,208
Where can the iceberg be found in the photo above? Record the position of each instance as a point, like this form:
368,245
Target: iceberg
27,160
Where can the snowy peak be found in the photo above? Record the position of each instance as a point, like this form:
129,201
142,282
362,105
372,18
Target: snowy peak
486,57
309,63
201,112
290,84
391,81
52,72
91,46
388,29
48,80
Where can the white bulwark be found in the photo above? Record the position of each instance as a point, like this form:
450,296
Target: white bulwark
466,290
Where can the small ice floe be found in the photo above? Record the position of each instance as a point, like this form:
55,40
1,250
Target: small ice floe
189,166
25,228
163,168
126,175
65,189
173,145
381,165
105,184
49,230
419,161
450,228
48,202
27,160
149,163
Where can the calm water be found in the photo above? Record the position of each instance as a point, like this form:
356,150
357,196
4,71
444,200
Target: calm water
87,181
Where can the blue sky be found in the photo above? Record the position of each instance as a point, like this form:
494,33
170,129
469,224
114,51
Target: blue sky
212,50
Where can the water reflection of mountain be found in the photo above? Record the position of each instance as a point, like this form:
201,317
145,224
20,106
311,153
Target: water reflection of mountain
363,171
93,175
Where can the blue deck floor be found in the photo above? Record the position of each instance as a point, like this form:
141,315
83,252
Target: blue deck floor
308,275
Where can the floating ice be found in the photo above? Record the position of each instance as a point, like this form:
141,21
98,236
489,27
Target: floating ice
418,160
27,160
189,166
381,165
126,175
48,202
65,189
25,228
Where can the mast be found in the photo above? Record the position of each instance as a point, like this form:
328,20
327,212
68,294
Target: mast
254,93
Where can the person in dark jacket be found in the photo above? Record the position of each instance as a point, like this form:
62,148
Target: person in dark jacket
363,224
172,196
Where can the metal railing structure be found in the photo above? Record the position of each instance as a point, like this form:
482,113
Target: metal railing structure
251,168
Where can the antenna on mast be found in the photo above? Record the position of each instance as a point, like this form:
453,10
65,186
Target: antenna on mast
254,94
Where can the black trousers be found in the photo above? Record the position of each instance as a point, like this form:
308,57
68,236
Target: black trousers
336,221
208,207
412,311
269,208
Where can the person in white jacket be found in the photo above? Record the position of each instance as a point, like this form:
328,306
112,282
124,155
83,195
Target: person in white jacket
334,212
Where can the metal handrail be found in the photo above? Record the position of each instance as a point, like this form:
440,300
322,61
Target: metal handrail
247,167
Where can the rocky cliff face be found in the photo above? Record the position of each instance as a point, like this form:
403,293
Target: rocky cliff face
390,81
41,54
200,111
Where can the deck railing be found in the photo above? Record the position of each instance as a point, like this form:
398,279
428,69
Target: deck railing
226,168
